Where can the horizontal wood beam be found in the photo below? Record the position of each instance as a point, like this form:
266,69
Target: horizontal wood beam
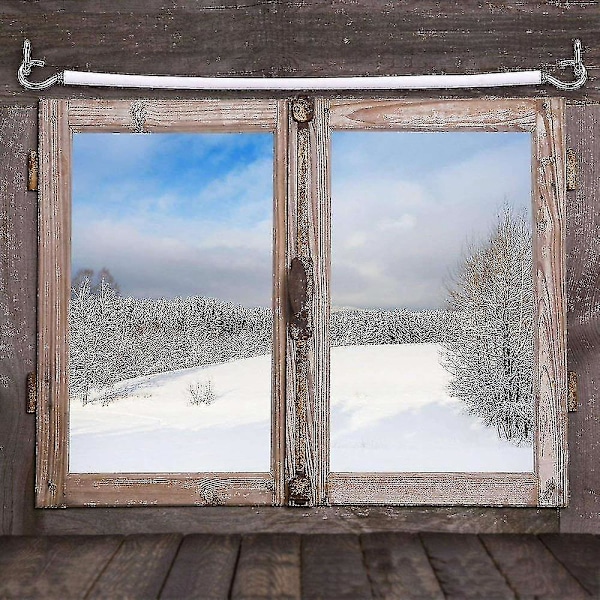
274,39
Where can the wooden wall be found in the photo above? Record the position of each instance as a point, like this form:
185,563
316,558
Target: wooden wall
275,38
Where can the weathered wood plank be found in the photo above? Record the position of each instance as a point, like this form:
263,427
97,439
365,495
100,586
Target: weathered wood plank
583,293
333,567
53,567
398,566
530,569
268,567
335,519
18,279
139,568
203,568
172,489
492,489
264,38
434,115
464,568
550,340
280,304
580,554
158,115
307,407
54,285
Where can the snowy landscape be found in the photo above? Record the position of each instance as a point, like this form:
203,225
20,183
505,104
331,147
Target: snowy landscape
431,327
385,419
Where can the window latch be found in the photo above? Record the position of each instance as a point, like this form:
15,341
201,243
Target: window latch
300,290
300,293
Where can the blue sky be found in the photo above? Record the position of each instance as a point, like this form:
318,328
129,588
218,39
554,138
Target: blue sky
176,214
184,214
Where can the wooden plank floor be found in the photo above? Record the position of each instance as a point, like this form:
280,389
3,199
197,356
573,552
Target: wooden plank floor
329,566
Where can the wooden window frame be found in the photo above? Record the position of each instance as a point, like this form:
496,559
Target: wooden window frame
547,484
58,121
300,388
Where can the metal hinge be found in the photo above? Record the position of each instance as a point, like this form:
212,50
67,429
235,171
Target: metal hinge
572,395
572,170
32,171
31,393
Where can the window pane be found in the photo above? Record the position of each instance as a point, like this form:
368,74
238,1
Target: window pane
170,313
432,302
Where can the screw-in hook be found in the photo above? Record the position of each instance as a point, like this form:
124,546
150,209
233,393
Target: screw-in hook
25,70
579,71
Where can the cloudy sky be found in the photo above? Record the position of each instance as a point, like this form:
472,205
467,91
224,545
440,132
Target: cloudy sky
405,205
184,214
176,214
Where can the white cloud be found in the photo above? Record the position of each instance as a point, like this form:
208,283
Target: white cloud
396,238
398,231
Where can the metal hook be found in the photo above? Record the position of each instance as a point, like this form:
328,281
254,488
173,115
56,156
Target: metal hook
25,70
579,71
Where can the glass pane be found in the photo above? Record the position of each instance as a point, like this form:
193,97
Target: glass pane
432,302
170,318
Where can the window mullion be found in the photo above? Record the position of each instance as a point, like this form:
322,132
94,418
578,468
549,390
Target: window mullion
307,410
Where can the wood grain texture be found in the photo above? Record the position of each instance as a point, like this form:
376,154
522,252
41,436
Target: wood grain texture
530,569
234,489
464,568
550,341
338,519
138,569
580,554
398,567
285,38
435,115
333,567
157,115
54,285
268,567
307,423
488,489
266,38
53,567
18,279
203,568
583,292
280,304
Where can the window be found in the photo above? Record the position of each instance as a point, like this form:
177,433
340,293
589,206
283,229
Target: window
360,328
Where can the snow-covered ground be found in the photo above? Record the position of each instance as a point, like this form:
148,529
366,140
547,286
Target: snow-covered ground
390,412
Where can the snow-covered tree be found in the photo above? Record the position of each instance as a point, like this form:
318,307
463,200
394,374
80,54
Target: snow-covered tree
94,280
490,355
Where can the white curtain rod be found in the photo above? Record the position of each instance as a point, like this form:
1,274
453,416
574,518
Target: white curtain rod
401,82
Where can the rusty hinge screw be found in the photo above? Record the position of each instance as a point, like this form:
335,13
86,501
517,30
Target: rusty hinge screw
572,395
31,393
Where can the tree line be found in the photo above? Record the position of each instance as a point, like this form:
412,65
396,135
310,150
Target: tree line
486,333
